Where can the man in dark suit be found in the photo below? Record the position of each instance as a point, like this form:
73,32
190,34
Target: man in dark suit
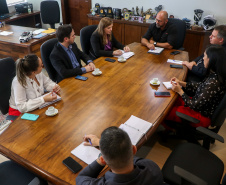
118,152
66,57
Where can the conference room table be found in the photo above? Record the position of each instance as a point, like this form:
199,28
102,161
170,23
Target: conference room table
88,107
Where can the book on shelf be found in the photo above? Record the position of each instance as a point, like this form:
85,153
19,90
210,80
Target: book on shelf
136,128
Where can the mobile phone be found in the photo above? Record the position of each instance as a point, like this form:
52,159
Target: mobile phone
164,94
110,59
176,66
174,52
72,164
81,77
32,117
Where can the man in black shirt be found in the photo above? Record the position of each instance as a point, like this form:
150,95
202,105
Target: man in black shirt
161,33
197,71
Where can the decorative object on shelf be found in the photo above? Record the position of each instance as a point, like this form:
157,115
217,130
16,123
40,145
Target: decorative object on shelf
1,24
137,11
124,10
197,28
97,6
93,11
140,19
117,13
198,15
141,12
158,8
171,16
133,11
209,22
109,12
187,22
135,18
126,16
102,12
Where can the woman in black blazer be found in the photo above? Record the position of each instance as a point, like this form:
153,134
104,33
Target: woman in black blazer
103,41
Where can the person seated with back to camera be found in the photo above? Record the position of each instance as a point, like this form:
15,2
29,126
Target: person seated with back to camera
28,86
197,71
66,56
200,99
161,33
103,41
117,152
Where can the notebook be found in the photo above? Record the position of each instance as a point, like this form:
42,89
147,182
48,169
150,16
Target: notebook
136,128
174,61
40,35
168,85
126,55
88,154
156,51
49,103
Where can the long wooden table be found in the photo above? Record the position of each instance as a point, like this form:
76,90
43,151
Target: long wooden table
89,107
10,45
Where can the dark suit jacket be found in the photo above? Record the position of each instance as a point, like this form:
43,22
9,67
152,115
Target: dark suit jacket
97,49
62,63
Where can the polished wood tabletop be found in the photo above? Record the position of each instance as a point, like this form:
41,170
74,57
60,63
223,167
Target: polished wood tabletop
12,47
90,106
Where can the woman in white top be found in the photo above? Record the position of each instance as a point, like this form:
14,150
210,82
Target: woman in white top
28,86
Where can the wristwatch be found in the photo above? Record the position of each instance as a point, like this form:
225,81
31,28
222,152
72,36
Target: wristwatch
155,43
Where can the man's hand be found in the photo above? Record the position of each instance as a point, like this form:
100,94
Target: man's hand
150,46
93,138
88,68
126,49
117,52
92,65
189,64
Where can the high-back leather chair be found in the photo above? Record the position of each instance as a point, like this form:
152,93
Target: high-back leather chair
181,31
85,35
46,49
50,12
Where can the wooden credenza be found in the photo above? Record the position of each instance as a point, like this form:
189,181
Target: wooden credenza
128,32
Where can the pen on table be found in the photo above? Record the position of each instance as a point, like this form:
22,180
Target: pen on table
89,141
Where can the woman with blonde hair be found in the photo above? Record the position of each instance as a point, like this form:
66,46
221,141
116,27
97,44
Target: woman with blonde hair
103,41
28,86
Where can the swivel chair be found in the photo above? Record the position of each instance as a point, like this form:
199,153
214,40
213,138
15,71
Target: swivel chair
191,164
46,49
13,174
50,12
85,35
7,73
181,31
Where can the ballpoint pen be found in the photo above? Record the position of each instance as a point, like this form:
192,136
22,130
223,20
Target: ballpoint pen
89,141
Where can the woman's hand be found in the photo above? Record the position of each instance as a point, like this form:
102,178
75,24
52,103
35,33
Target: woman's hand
50,97
117,52
177,88
57,89
126,49
174,79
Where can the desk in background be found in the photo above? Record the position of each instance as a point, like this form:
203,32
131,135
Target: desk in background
24,19
10,45
88,107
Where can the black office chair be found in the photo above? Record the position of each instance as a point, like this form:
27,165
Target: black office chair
181,31
50,12
85,35
46,49
13,174
7,73
191,164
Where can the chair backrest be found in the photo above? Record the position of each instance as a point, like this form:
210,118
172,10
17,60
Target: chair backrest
181,31
85,35
7,73
46,49
219,114
50,12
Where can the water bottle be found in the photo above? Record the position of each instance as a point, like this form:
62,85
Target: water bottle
29,9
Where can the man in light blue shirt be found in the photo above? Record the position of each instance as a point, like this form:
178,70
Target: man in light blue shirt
66,57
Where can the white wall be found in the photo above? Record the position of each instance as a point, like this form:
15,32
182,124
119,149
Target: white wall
178,8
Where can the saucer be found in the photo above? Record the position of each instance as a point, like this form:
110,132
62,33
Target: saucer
97,74
151,82
55,112
122,60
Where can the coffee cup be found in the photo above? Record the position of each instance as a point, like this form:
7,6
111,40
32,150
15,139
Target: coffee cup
97,71
155,80
51,110
121,59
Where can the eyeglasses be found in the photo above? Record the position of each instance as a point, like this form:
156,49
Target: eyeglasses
157,20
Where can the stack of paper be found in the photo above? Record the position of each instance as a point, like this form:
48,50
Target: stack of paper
38,31
174,61
125,55
136,128
5,33
88,154
156,51
49,103
168,85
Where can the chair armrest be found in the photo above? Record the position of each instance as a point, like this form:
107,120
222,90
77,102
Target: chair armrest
210,133
189,177
186,117
35,181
